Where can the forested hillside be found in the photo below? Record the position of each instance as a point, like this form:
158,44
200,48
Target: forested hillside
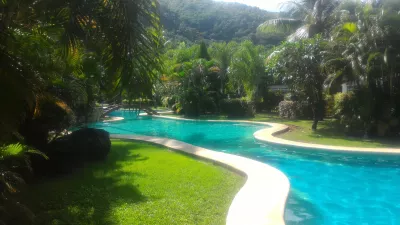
192,20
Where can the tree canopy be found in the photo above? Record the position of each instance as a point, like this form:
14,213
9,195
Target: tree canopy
61,50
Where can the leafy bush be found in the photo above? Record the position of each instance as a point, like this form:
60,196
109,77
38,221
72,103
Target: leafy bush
168,102
209,105
15,169
290,110
271,100
50,115
177,108
346,109
72,151
345,105
289,97
237,108
329,105
191,102
295,110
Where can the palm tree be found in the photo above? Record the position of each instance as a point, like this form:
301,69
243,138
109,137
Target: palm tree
247,69
312,17
366,53
222,53
15,167
125,34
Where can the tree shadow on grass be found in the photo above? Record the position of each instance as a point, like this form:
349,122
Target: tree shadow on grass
90,195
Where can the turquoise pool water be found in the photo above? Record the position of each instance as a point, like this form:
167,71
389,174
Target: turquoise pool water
326,188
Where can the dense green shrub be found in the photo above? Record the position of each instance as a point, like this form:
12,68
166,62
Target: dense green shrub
168,102
72,151
289,97
192,102
329,105
362,115
295,110
237,108
15,170
93,144
50,115
209,105
347,109
290,109
270,101
345,105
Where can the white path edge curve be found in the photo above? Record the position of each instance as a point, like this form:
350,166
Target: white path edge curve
112,119
262,199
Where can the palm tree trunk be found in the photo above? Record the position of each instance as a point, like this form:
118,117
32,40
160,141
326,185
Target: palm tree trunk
318,110
315,123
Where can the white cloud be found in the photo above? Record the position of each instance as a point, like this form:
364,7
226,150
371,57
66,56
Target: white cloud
271,5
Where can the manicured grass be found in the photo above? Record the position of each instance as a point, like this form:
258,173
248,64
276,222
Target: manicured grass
329,132
138,184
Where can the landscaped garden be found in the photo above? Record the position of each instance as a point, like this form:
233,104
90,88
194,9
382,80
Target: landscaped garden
329,69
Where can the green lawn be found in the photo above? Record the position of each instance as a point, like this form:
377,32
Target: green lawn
138,184
329,132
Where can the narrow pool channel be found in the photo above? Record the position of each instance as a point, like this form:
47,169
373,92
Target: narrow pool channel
326,188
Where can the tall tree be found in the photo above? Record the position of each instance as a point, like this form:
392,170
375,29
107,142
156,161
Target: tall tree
125,34
203,52
299,64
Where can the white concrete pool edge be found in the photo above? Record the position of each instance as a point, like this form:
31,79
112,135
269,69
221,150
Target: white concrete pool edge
112,119
262,199
268,135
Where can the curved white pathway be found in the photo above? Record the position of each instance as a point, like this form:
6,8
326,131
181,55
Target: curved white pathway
262,199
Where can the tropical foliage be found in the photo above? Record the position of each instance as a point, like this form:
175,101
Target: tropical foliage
299,64
199,77
354,43
59,55
57,60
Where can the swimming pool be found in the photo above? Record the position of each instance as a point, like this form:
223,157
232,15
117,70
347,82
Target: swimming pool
327,188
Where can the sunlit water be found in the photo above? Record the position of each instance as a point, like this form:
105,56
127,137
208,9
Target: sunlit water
326,188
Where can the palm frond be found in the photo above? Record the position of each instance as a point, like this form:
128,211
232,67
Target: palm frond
301,33
296,7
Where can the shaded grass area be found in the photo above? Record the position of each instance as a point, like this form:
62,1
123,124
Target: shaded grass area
329,132
138,184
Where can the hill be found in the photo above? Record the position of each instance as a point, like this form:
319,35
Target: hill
194,20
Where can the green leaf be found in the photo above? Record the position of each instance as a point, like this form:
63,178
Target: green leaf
351,27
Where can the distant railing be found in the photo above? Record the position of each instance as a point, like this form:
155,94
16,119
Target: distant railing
140,107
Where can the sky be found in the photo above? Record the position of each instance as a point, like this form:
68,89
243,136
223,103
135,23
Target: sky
270,5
